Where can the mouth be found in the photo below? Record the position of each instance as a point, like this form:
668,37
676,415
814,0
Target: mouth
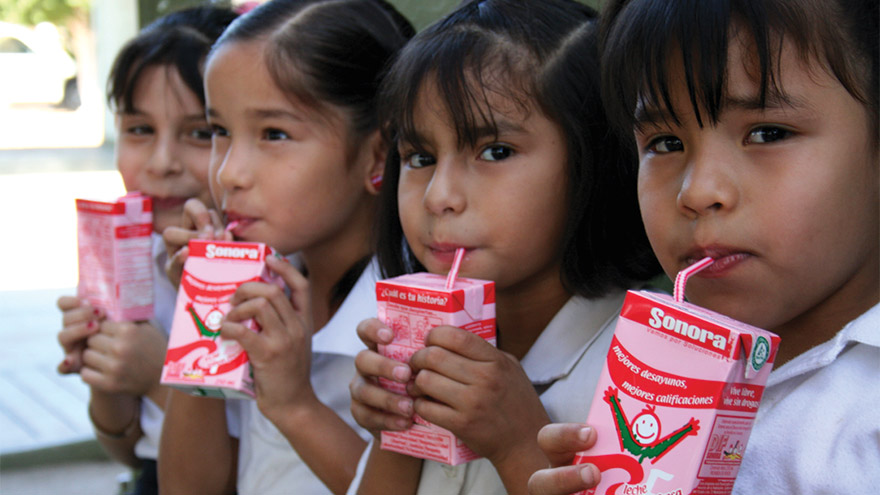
725,260
168,203
238,223
445,252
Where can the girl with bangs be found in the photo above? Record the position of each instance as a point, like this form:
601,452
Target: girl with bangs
296,163
756,124
502,149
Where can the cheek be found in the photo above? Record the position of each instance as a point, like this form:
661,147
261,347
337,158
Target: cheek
130,165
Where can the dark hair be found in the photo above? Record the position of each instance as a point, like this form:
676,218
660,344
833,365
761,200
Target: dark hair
180,39
840,36
542,55
333,51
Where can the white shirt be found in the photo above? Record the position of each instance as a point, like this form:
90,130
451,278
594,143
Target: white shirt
818,426
164,298
267,464
567,360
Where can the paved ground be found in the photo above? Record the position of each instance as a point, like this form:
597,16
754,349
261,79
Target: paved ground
46,443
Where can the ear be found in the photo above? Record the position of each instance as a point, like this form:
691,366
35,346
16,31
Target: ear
377,149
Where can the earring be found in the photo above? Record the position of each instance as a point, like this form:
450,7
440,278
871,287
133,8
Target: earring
376,180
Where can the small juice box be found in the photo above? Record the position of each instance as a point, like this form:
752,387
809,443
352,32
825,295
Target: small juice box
115,256
676,399
411,305
198,359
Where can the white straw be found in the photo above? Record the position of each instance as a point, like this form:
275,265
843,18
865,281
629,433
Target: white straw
682,277
453,271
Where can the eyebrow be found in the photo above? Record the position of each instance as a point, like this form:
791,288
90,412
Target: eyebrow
263,113
772,100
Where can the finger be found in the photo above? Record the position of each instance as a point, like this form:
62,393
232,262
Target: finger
174,265
461,342
197,216
96,360
80,314
374,420
72,362
219,227
373,364
176,238
265,302
563,480
373,332
447,363
561,441
66,303
76,334
293,278
244,335
379,399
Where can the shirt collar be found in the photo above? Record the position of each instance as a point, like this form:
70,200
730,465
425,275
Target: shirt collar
339,335
573,329
861,330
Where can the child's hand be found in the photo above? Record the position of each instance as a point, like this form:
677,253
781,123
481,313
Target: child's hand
373,407
478,392
198,222
280,352
79,321
560,442
124,357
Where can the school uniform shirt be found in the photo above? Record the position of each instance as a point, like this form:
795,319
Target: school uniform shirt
818,426
563,365
267,464
164,297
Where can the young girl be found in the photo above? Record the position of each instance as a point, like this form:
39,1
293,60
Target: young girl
757,129
296,163
162,149
504,152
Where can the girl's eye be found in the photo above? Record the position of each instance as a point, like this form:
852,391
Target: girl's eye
665,144
202,133
218,131
496,152
419,160
140,130
767,134
275,135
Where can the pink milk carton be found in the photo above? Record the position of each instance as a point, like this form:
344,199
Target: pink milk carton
115,256
198,359
411,305
676,399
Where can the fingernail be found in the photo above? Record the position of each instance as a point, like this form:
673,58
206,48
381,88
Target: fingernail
405,407
385,335
589,474
91,325
400,373
97,311
584,433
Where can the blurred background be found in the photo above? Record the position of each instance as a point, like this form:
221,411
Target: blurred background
56,144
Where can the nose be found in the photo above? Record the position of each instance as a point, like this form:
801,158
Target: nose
230,167
164,160
446,193
709,184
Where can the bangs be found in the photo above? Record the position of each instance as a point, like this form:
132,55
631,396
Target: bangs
469,69
654,43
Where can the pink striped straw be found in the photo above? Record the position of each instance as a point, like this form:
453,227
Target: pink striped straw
683,276
453,271
232,225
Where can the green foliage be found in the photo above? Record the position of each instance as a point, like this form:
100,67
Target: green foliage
33,12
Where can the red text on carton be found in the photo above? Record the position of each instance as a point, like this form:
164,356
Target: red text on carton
198,359
411,305
676,399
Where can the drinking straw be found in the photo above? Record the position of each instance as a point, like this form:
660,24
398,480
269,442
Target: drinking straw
683,276
232,225
453,271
